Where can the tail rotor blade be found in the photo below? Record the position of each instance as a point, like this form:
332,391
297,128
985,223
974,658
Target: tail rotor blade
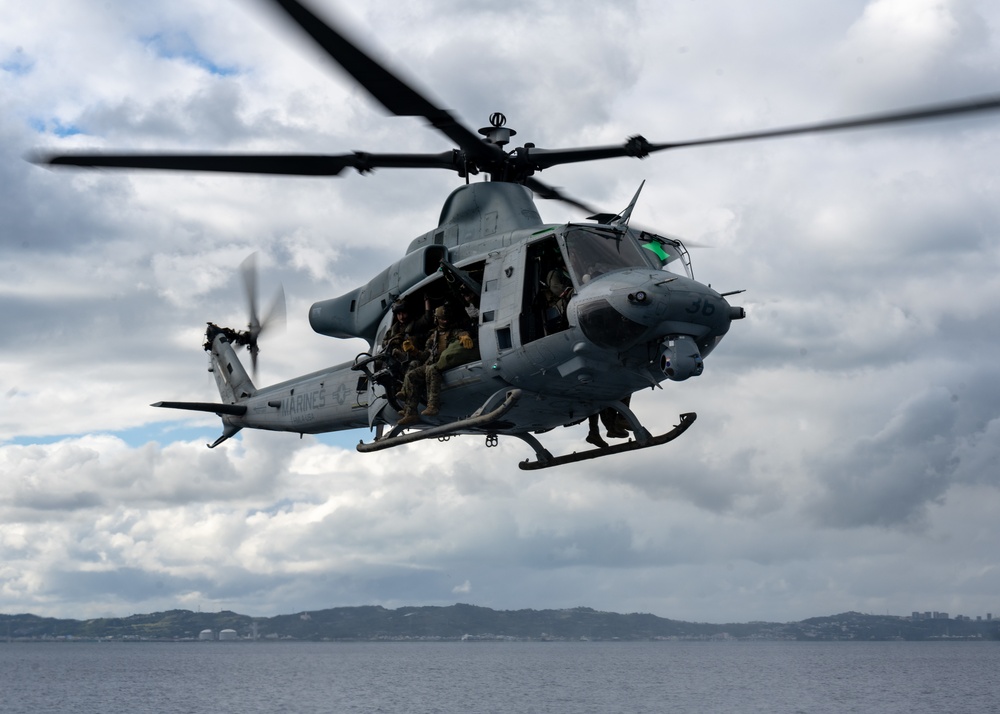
273,318
276,313
248,269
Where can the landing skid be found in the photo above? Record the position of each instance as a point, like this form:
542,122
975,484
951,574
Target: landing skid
643,441
479,420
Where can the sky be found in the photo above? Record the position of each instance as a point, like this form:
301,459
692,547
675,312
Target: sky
846,454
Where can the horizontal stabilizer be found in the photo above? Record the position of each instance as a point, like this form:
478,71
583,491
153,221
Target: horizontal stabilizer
232,409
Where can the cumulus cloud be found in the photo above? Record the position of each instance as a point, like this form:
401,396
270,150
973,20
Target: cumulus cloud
849,424
902,50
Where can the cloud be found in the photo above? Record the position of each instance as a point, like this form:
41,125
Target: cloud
846,430
903,49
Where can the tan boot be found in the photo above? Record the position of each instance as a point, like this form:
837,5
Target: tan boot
409,417
431,410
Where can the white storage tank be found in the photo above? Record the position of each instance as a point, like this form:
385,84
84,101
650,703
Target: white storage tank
205,635
227,635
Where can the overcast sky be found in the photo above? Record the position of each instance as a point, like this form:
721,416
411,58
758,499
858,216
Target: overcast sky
846,451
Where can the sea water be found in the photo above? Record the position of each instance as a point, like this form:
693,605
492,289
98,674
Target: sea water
451,677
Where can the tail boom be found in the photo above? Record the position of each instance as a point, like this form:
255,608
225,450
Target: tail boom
329,400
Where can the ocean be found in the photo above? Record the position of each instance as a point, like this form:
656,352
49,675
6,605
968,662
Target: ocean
452,677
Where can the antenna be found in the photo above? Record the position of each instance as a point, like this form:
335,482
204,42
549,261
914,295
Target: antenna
625,215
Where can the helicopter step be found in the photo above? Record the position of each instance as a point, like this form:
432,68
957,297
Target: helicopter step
479,419
642,441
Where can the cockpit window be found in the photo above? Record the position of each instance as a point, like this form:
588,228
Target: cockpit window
594,252
666,253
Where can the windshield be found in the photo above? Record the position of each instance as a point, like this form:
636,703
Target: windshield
667,253
596,252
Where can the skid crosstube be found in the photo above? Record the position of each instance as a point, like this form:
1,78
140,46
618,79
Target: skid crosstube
687,419
478,421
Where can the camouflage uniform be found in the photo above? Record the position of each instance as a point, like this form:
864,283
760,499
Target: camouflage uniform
403,328
409,329
426,375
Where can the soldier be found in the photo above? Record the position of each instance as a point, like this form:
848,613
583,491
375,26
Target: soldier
445,347
404,328
557,291
471,303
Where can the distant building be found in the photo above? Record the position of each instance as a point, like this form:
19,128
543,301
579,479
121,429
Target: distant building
227,635
206,635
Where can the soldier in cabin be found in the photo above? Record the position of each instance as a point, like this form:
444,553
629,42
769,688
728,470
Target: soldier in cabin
404,327
446,347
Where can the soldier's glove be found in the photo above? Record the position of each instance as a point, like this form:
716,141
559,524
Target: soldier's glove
466,341
408,346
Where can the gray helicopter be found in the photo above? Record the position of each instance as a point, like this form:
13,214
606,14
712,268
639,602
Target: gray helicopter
628,315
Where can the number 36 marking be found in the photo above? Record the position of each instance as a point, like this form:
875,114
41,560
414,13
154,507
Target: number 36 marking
701,305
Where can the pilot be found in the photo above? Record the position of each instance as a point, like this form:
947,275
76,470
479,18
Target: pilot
471,303
445,347
558,290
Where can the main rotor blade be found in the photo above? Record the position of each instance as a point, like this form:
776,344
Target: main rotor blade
543,190
638,147
283,164
391,92
933,111
287,164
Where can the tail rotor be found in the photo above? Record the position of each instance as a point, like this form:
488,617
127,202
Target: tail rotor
274,317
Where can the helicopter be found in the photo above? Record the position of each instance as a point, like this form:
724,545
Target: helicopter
633,317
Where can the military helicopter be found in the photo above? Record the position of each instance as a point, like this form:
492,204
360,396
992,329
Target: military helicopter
631,315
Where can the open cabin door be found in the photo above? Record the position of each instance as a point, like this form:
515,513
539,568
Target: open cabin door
518,305
500,305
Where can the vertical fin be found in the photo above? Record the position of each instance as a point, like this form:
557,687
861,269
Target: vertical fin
231,378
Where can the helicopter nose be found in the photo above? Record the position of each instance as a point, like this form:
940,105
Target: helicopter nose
687,318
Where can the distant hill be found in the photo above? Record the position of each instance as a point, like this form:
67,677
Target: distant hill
469,622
